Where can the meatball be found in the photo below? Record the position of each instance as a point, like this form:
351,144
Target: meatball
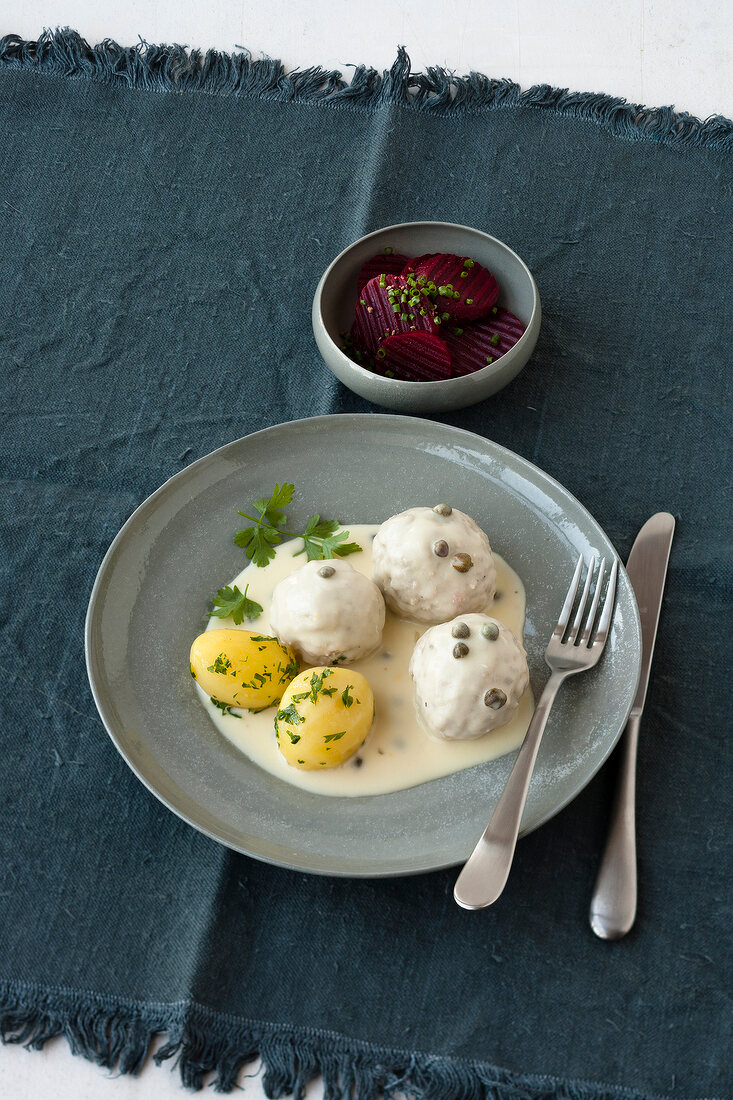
328,611
433,564
469,677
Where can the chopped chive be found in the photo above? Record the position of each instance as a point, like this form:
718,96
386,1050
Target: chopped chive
382,280
458,332
494,339
389,374
464,274
469,301
381,353
489,359
444,316
362,301
468,263
388,251
456,294
403,317
495,310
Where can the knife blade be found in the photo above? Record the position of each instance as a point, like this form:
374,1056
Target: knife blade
613,905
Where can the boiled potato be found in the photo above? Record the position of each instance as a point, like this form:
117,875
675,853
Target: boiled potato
324,717
242,668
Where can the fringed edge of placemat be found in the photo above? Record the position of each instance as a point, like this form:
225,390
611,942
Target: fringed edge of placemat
164,68
119,1035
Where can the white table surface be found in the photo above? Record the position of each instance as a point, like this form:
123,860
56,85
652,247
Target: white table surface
655,52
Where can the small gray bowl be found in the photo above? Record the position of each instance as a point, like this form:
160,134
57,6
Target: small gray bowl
335,297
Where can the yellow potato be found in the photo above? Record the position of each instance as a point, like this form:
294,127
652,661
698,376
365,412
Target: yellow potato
324,717
242,668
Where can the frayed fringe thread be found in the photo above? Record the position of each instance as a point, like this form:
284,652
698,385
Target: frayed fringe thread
119,1036
438,91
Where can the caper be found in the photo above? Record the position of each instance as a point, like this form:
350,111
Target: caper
326,571
460,649
460,630
490,631
441,548
442,509
461,562
495,698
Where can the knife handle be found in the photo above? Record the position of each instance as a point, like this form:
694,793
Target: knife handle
613,906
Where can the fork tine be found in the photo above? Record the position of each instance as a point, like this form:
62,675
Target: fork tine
602,632
567,607
583,600
594,605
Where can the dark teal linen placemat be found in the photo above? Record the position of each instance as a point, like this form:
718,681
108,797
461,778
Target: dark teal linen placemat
165,219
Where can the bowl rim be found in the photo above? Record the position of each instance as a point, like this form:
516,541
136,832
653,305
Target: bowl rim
402,384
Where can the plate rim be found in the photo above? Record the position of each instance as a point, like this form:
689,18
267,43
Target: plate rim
149,503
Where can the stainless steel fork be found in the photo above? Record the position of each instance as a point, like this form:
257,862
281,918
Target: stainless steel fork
486,871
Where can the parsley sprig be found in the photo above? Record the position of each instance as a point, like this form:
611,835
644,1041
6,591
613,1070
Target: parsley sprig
321,541
230,602
321,538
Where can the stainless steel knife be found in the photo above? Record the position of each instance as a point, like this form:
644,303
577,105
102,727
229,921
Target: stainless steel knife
613,906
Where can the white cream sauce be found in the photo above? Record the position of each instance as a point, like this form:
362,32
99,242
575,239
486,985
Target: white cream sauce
398,752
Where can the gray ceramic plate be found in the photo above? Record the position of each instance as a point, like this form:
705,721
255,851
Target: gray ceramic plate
154,586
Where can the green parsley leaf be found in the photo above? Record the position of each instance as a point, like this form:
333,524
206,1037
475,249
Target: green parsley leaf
321,538
224,707
317,684
244,537
320,529
231,603
269,510
319,547
334,736
290,715
221,665
346,698
347,548
258,543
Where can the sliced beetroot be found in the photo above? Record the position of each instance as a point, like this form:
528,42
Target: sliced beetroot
384,263
480,343
471,289
375,317
414,356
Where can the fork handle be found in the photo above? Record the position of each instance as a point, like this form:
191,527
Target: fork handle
613,906
486,870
